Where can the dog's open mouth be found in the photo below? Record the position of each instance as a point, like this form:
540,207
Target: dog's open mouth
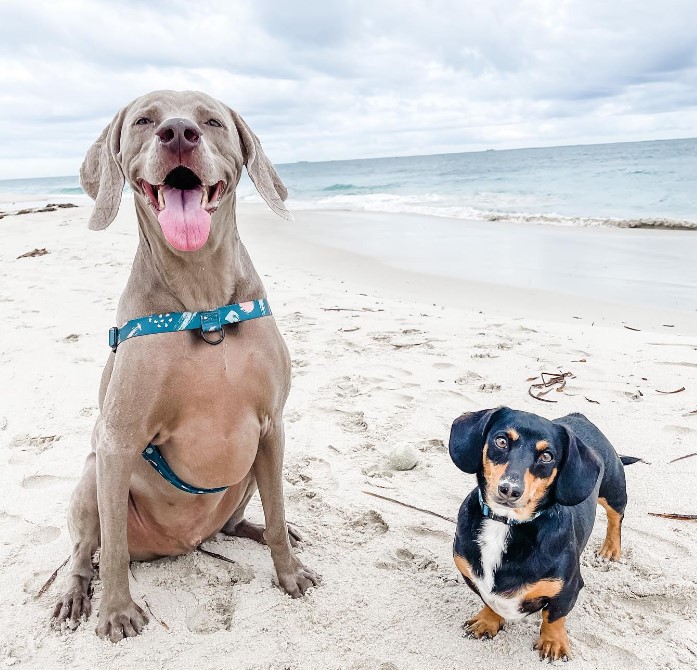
184,206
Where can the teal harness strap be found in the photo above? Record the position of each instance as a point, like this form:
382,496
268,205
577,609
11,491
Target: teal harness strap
207,322
153,455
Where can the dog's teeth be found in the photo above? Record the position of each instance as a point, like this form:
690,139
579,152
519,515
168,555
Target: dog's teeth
204,198
160,198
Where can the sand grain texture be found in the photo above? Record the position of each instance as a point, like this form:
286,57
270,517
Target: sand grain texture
364,381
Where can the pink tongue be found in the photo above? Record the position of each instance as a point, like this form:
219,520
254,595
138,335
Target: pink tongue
184,222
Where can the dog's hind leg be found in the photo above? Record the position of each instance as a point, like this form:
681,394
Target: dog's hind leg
238,526
612,497
612,547
83,524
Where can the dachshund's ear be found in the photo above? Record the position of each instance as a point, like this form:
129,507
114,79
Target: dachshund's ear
579,471
467,437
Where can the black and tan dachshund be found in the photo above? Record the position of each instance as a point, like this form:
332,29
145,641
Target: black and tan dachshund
521,532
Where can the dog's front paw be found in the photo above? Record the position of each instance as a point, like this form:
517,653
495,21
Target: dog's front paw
485,625
116,623
610,551
74,605
553,642
296,581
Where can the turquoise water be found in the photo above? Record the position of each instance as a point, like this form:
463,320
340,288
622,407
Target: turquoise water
613,184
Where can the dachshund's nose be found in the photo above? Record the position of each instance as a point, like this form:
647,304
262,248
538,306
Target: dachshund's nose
510,491
179,135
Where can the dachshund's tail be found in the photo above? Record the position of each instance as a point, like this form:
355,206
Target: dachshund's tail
630,460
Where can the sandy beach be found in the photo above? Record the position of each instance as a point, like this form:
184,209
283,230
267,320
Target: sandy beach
383,355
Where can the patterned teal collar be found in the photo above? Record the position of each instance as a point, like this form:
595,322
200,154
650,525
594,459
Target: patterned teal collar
489,514
206,322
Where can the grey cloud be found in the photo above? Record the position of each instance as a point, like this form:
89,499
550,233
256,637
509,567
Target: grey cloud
352,78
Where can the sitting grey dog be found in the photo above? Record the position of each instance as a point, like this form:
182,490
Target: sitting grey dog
186,431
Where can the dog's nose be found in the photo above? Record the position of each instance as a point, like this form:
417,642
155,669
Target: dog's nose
179,135
510,490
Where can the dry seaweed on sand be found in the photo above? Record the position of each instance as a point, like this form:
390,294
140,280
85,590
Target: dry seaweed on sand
34,252
551,381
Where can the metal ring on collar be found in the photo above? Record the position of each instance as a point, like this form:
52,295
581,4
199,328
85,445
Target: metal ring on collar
218,341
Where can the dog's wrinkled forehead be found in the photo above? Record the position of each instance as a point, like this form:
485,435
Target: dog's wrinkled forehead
200,108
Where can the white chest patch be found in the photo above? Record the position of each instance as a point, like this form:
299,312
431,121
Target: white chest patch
492,542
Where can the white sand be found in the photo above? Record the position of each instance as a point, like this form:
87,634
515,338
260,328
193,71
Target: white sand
364,382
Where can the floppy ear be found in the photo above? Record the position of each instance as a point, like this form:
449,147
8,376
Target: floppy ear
101,175
260,169
467,437
578,474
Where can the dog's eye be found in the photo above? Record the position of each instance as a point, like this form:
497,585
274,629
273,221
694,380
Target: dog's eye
214,122
501,442
546,457
143,121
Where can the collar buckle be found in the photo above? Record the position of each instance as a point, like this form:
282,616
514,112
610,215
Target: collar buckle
114,338
211,323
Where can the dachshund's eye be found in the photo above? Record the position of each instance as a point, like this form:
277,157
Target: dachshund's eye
143,121
501,442
546,457
214,122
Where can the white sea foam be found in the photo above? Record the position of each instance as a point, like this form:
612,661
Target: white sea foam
433,204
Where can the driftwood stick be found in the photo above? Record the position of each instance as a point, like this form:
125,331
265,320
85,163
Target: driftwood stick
215,555
679,458
403,504
679,517
351,309
51,579
147,604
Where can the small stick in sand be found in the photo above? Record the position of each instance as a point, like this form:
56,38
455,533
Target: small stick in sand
351,309
215,555
51,579
678,517
680,390
638,330
147,604
680,458
403,504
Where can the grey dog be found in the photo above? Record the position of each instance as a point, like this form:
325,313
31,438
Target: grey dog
216,411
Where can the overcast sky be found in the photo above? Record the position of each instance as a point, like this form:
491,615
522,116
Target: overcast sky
320,80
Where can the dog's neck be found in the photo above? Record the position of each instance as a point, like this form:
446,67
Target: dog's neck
218,274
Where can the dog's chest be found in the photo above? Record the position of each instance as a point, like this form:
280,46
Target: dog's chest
493,541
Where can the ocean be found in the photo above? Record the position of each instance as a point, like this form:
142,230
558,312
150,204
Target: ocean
637,184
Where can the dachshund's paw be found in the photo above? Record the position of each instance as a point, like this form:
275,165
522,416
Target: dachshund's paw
485,625
553,646
610,551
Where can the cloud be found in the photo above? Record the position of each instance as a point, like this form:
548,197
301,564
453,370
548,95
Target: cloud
351,78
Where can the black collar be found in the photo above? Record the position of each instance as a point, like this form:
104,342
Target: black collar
489,514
